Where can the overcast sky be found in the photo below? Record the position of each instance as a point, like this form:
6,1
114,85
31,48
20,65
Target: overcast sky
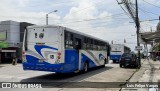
101,18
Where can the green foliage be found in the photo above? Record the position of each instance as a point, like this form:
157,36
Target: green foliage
3,44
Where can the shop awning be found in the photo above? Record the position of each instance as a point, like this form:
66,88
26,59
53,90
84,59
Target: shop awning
8,50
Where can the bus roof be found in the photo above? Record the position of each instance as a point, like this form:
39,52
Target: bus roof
68,29
120,45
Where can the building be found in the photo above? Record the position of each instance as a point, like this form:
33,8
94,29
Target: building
11,37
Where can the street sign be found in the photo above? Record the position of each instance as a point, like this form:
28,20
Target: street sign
138,48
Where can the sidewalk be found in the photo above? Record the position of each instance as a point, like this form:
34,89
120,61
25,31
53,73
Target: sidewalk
9,64
149,72
149,68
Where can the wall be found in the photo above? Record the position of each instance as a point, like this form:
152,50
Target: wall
13,31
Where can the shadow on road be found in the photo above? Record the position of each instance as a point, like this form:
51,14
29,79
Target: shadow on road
115,63
131,67
53,77
1,66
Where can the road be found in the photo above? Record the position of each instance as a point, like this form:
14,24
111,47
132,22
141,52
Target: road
111,73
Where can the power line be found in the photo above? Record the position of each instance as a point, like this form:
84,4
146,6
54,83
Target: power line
151,4
145,11
87,7
97,18
128,6
90,28
46,3
123,9
134,15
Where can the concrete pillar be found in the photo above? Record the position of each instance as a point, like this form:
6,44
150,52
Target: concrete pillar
152,51
0,58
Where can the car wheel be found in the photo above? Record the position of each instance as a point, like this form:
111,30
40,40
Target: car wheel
136,66
104,63
113,61
125,66
120,65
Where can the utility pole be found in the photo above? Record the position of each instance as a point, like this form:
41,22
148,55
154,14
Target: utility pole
136,20
46,19
151,29
48,14
138,28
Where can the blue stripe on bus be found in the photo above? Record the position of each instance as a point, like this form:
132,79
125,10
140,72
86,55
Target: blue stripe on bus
31,59
101,57
38,48
71,60
33,64
40,67
84,59
71,63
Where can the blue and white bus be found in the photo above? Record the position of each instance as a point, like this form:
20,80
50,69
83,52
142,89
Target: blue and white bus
117,50
62,50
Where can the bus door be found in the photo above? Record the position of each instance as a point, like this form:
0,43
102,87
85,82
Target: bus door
78,44
78,47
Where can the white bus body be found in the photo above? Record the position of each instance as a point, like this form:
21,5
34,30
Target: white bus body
62,50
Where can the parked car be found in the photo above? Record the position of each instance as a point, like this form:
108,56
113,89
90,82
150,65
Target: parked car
128,59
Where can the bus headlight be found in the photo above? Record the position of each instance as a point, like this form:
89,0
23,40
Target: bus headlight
59,55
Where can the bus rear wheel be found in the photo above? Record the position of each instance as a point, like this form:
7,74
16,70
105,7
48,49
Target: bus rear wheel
105,61
85,67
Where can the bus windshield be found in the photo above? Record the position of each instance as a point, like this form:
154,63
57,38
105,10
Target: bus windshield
126,55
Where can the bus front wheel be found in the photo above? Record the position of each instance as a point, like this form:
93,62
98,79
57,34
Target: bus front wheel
105,61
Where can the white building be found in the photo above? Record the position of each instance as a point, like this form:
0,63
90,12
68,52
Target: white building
11,36
12,30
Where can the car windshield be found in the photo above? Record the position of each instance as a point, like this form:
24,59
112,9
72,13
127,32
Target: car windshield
126,55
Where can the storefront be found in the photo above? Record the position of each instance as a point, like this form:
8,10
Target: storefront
7,54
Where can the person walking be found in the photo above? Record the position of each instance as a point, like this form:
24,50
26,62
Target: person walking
14,61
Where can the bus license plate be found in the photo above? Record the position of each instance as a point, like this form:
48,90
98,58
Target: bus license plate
51,56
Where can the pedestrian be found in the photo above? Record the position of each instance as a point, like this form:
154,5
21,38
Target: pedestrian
14,61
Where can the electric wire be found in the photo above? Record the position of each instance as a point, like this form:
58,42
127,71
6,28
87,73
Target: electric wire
151,4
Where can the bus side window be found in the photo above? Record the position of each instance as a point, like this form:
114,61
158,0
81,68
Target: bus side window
88,44
77,43
96,45
99,46
91,44
85,43
68,40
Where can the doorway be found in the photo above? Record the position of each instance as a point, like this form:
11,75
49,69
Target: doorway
78,43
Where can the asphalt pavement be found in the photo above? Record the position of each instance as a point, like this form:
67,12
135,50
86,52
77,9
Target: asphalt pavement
111,73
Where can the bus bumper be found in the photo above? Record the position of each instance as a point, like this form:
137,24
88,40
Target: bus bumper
42,67
115,58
